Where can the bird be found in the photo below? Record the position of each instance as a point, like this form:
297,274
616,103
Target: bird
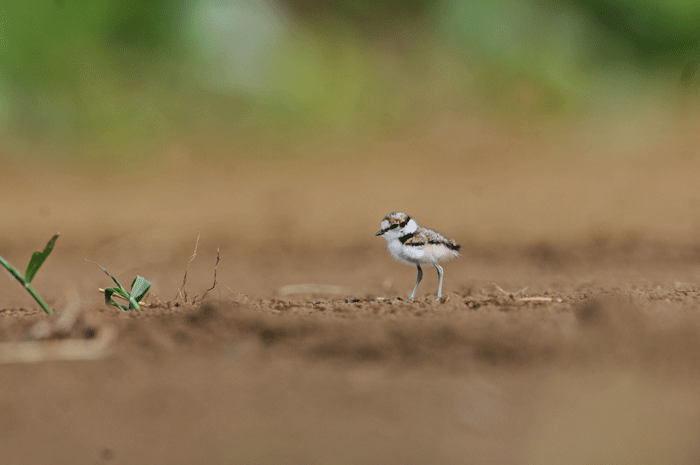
414,245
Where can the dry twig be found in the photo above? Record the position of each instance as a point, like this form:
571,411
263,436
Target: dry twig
510,295
238,293
216,265
182,292
536,299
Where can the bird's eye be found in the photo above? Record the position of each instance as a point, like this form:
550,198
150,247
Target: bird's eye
394,226
403,224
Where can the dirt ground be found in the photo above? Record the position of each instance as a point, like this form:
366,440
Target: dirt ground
307,352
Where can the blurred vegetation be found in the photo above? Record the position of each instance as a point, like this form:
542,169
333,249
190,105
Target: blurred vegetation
107,79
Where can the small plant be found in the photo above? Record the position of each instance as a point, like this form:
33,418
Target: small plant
38,259
139,289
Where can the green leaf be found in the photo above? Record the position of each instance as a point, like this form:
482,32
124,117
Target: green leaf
113,278
139,288
133,305
38,259
110,301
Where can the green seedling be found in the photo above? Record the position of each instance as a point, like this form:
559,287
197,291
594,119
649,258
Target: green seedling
38,259
139,289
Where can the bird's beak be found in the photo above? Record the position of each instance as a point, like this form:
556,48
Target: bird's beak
379,233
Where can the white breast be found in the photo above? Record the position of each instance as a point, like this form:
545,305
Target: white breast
404,253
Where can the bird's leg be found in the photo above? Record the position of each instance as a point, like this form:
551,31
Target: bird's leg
439,270
420,276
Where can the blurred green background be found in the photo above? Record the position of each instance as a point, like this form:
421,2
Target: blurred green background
124,81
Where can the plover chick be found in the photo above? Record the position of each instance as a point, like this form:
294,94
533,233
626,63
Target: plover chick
414,245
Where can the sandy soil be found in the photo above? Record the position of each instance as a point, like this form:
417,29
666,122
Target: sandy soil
596,361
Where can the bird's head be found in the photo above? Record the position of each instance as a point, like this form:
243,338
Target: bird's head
395,225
